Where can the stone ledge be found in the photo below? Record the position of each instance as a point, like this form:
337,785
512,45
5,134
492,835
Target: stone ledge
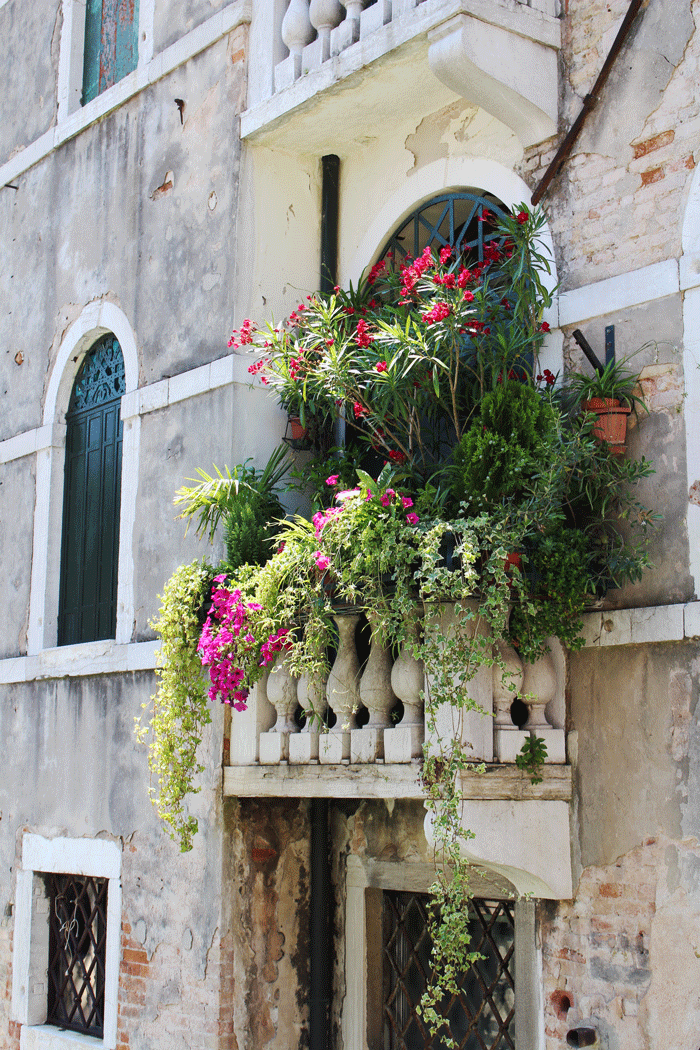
388,781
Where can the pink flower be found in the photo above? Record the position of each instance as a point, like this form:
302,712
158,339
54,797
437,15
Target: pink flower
333,479
412,518
445,253
385,500
381,366
322,560
407,502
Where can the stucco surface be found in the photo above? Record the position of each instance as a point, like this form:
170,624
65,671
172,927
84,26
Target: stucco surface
97,219
17,488
28,104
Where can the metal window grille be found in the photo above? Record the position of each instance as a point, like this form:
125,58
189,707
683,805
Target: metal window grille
482,1015
77,938
451,219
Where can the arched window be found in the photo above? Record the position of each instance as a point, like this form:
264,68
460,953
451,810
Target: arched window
450,219
90,535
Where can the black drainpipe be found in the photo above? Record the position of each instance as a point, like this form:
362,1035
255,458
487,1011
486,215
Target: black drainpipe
319,935
330,195
320,963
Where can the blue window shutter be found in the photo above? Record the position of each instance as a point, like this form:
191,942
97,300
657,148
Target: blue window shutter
111,44
90,541
91,59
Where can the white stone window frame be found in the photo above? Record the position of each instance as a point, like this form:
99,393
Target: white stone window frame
96,320
97,858
365,875
72,53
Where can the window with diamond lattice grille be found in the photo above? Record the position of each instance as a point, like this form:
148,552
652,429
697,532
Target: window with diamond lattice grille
77,941
482,1014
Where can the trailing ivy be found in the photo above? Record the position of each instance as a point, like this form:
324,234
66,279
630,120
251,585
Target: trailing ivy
180,707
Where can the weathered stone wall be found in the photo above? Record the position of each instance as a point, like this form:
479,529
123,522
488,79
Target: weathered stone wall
75,769
98,219
31,38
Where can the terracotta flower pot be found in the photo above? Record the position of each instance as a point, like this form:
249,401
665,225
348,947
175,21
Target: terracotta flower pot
297,429
611,424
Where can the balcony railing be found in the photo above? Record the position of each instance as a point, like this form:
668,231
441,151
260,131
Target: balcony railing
271,733
314,31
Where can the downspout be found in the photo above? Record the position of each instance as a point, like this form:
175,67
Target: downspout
589,102
319,933
320,963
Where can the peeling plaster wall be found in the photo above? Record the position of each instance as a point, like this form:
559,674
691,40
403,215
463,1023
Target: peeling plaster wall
75,769
28,105
97,218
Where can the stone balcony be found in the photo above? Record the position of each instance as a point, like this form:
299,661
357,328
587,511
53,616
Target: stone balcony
498,54
519,826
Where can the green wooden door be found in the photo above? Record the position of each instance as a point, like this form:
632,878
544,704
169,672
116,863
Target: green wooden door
92,486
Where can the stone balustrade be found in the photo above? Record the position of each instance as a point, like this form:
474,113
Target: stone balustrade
315,31
385,694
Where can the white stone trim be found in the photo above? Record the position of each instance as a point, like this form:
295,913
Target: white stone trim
441,176
225,371
80,661
97,319
619,293
690,279
94,857
74,120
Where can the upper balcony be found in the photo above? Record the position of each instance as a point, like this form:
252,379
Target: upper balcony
368,61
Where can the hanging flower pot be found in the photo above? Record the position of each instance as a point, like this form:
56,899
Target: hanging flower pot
611,424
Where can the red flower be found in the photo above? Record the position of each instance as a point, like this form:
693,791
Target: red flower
358,410
381,366
522,217
445,254
397,457
544,327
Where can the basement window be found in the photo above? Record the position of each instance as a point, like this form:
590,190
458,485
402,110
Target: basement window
66,943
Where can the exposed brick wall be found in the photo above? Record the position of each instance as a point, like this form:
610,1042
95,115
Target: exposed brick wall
595,951
619,208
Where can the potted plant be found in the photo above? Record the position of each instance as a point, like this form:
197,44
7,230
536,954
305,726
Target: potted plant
609,394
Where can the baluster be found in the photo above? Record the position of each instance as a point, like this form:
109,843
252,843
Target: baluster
507,684
342,692
404,742
297,31
325,15
282,694
350,30
476,724
539,687
367,744
303,748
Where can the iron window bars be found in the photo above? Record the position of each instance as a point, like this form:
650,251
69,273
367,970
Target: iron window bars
482,1014
449,220
77,939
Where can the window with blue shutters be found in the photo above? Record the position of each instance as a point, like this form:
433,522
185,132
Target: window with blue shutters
111,44
90,538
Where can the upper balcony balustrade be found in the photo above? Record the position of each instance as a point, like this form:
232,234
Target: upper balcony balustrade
498,54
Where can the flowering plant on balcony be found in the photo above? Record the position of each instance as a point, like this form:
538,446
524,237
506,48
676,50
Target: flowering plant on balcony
405,358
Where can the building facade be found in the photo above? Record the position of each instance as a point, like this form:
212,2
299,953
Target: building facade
161,180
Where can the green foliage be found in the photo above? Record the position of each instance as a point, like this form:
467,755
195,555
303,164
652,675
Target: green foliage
532,757
180,709
616,381
506,446
217,499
